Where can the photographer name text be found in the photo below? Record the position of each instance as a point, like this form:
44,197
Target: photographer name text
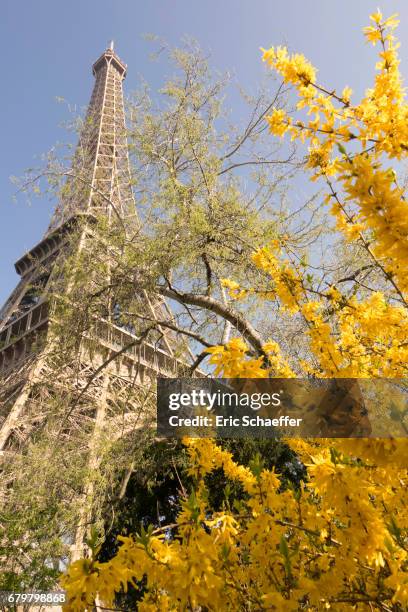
233,421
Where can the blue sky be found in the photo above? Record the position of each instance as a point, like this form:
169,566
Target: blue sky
48,47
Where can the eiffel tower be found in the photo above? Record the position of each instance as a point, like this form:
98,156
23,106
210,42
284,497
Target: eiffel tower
99,184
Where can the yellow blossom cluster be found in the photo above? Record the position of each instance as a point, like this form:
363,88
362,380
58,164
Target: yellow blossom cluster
361,338
234,290
366,340
231,360
287,285
295,69
383,212
328,545
373,208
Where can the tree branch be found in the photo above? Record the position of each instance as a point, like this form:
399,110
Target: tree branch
226,312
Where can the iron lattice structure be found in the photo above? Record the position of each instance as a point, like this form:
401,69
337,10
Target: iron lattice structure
107,380
100,173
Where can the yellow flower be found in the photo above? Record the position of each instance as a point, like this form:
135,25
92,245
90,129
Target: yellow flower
279,122
376,17
346,94
372,34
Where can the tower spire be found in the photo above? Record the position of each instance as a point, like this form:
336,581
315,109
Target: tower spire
101,178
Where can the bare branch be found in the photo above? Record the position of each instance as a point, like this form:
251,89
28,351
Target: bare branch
226,312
